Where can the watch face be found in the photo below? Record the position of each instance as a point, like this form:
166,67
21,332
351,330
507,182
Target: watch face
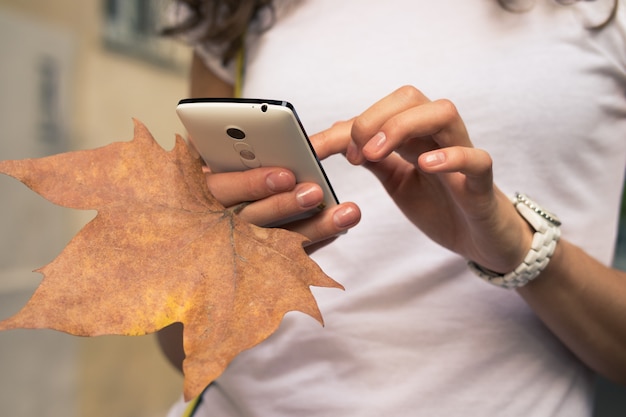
523,199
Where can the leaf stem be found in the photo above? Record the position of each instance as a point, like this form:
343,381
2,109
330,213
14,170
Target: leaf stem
237,209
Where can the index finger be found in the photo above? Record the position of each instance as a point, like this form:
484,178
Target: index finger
333,140
236,187
404,115
371,121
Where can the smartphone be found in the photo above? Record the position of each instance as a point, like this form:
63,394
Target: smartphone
239,134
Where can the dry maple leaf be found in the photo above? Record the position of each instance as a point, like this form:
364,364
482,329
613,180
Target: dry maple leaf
162,250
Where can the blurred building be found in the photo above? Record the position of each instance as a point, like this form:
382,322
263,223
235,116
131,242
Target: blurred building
73,74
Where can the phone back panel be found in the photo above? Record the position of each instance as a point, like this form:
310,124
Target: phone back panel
239,134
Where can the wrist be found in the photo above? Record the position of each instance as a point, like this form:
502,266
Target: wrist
555,266
544,242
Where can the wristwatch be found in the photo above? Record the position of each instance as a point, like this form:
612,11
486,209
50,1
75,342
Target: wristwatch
547,234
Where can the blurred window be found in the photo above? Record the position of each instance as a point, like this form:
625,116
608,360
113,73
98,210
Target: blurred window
132,27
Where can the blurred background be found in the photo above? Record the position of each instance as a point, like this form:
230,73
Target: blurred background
73,74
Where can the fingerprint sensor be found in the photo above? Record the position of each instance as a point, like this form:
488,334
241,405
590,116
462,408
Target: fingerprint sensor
247,155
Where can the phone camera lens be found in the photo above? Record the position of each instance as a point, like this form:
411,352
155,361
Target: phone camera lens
263,108
235,133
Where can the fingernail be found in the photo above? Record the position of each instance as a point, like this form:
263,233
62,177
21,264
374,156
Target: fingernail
376,143
279,181
309,196
434,158
345,217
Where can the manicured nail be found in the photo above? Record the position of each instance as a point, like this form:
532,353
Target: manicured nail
376,143
434,158
345,217
279,181
309,196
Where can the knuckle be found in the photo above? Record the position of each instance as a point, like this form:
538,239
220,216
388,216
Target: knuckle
280,208
410,93
362,128
446,109
394,126
253,187
319,230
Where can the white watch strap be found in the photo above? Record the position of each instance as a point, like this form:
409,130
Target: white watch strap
547,234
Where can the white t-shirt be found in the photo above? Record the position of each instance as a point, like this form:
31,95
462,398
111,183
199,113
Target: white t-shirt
415,333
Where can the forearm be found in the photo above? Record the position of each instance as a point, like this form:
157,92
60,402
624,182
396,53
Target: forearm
170,340
204,83
584,303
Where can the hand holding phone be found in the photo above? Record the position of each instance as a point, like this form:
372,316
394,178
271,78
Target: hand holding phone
238,134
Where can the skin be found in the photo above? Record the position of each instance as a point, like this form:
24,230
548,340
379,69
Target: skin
437,173
273,194
421,152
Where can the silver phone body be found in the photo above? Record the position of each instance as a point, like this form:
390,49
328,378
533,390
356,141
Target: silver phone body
240,134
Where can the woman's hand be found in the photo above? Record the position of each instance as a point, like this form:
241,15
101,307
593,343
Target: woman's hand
271,194
421,152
